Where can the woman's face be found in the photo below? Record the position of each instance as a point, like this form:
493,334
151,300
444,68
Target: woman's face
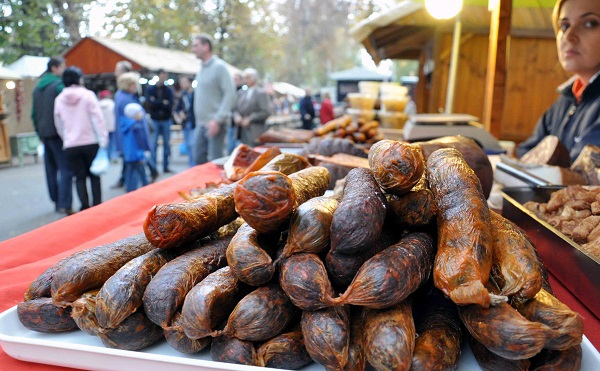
578,37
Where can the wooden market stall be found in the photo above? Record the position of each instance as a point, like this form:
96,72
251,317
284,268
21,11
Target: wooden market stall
97,56
508,91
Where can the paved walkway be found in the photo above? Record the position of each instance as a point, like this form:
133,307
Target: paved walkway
24,201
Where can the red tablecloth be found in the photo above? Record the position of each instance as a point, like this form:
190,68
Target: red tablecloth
26,256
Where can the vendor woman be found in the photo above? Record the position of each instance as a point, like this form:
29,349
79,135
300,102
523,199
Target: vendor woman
575,116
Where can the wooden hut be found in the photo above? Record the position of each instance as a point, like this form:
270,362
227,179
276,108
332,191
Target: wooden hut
526,72
97,56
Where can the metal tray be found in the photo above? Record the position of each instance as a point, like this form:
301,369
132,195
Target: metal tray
579,272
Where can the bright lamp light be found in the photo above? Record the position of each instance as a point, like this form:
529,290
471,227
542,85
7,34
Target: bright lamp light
443,9
10,85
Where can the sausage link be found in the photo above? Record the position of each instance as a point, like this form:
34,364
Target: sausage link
42,315
135,333
392,275
464,255
397,166
515,265
167,290
89,269
304,279
327,336
171,225
358,220
285,351
267,199
390,337
179,341
209,303
249,255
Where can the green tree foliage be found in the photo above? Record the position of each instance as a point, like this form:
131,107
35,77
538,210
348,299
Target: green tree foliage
299,41
39,27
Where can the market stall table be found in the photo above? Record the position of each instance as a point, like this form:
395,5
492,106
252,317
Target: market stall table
26,256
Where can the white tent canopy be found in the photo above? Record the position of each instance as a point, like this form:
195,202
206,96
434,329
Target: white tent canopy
287,88
29,66
6,74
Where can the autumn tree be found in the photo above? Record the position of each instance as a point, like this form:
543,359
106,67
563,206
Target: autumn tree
317,41
40,27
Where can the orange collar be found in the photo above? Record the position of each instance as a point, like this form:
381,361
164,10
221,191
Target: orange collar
578,88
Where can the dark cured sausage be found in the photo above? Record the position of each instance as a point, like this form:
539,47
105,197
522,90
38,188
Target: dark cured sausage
342,267
285,351
326,336
304,279
41,287
232,350
502,330
267,199
122,294
547,309
249,255
167,290
397,166
358,219
474,155
83,312
209,303
357,360
89,269
515,265
415,208
260,315
135,333
43,316
492,362
553,360
392,275
310,225
464,255
178,340
439,335
170,225
390,337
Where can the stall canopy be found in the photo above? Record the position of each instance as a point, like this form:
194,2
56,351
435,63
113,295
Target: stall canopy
6,74
285,88
29,66
98,55
347,80
401,32
358,74
509,49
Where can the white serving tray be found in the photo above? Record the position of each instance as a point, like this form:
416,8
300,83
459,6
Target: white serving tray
79,350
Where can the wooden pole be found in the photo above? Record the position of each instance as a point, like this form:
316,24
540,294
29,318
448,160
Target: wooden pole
495,83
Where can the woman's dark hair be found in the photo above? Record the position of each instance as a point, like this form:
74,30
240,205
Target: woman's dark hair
72,76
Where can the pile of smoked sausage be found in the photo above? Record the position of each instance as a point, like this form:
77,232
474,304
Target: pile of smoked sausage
395,274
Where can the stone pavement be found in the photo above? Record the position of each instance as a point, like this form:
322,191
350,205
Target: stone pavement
24,201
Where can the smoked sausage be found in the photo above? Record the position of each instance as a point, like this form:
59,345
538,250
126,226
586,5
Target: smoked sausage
267,199
397,166
464,255
167,290
89,269
358,219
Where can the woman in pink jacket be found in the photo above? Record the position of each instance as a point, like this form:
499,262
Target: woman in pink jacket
80,124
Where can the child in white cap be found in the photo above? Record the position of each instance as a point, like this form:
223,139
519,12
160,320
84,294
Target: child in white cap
136,140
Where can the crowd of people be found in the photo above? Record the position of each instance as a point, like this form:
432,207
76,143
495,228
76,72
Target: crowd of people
222,111
217,114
